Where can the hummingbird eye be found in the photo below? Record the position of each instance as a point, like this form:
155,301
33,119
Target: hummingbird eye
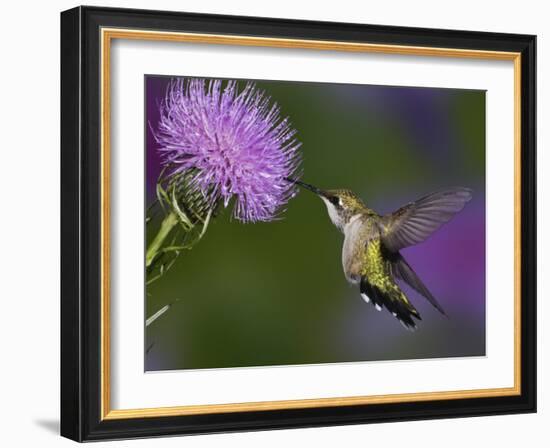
335,200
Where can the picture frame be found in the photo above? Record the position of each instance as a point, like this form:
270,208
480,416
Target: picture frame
87,35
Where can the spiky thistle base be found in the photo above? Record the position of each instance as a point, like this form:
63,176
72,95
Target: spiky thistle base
186,215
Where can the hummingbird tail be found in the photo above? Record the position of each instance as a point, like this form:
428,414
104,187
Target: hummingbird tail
393,299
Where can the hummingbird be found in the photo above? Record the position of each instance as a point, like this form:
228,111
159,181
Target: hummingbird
371,255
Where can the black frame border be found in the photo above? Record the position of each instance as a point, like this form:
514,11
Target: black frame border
81,223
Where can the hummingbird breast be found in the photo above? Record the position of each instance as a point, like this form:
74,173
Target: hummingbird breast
360,230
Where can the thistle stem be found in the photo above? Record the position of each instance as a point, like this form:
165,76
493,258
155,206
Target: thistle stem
165,228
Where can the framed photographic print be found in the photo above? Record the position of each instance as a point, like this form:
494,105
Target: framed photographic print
272,224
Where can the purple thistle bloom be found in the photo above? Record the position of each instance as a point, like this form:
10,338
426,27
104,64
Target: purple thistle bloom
234,143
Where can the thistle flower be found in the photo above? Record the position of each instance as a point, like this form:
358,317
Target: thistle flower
234,144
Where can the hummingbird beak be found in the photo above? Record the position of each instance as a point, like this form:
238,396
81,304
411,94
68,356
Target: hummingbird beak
308,187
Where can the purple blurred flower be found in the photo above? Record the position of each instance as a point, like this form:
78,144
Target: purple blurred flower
234,143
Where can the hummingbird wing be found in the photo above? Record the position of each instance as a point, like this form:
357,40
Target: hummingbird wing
416,221
402,270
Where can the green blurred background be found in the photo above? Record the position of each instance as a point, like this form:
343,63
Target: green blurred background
275,294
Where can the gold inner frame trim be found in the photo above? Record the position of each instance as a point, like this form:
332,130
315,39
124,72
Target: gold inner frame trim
107,35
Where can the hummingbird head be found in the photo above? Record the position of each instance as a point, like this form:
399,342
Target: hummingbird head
341,204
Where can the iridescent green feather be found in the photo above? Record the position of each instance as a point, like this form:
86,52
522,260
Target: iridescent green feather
377,271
